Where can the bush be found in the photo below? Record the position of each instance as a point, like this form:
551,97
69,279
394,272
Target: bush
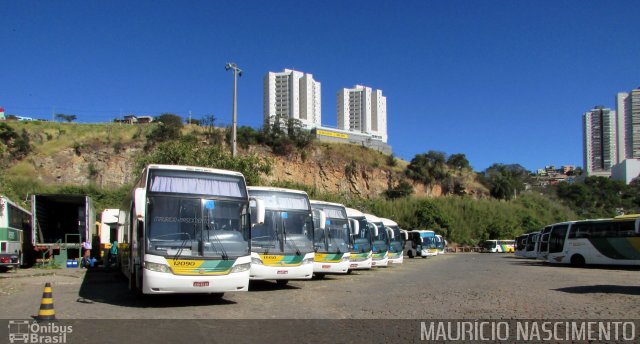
168,127
185,153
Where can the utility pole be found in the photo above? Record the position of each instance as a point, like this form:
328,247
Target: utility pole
236,73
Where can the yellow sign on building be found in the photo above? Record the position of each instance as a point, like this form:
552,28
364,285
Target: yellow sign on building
331,134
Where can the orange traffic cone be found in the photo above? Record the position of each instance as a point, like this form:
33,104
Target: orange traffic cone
46,312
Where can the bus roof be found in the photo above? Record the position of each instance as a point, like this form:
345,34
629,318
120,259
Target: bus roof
388,222
372,218
354,212
193,168
326,203
8,201
274,189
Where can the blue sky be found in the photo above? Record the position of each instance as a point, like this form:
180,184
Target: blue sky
500,81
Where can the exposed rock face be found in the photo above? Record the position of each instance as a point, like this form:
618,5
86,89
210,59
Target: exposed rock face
328,174
92,164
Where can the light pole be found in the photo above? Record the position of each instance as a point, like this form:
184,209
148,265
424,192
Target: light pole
236,73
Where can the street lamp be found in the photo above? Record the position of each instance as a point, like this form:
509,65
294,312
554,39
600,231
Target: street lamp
236,73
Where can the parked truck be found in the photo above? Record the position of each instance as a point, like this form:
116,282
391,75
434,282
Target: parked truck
60,224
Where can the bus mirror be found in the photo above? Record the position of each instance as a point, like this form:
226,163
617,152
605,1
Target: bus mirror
355,226
260,211
405,234
322,218
390,232
375,230
140,202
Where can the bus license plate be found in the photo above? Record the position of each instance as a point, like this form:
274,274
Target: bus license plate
326,266
201,284
282,272
353,265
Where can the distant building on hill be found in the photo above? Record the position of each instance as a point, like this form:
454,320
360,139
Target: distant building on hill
599,139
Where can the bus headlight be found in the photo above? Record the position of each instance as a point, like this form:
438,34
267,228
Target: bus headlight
157,267
241,267
256,261
307,261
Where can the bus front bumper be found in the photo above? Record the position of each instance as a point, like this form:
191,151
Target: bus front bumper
380,262
168,283
360,265
331,268
265,272
398,260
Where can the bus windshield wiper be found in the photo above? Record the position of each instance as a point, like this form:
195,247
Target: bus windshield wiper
215,236
182,244
284,237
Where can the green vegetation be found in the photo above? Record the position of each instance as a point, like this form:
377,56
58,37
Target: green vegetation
509,211
505,181
185,152
600,197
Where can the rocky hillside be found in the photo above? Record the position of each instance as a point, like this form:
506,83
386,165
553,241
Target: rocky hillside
105,154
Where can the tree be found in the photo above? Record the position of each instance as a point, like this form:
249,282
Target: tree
458,161
403,189
505,181
68,118
168,127
428,168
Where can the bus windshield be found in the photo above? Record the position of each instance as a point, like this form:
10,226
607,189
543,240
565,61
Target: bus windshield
362,241
197,227
381,242
429,242
335,237
490,244
397,242
288,226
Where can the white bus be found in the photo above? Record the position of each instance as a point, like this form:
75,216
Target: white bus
604,241
282,248
498,246
542,249
521,245
14,222
188,231
441,243
333,244
531,250
421,243
363,234
381,242
398,237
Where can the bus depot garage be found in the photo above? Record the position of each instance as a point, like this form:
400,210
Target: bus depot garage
60,224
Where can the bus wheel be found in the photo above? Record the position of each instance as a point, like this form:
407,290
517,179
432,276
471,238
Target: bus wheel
216,296
282,282
410,254
424,257
577,260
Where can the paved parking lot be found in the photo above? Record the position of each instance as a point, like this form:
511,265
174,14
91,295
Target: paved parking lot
452,286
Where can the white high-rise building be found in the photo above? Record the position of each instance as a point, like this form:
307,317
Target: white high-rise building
292,94
599,130
628,125
362,109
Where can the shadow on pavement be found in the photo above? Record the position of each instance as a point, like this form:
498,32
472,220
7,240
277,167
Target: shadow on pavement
257,286
606,289
110,287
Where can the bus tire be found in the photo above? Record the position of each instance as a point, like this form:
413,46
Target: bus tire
216,296
410,254
424,257
281,282
577,260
